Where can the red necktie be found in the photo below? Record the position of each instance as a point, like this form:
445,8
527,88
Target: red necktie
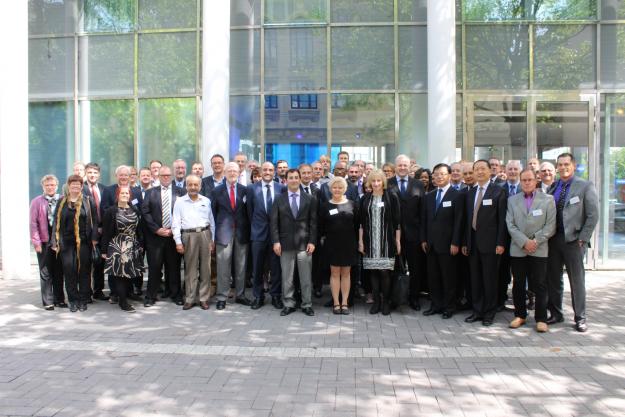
95,198
232,199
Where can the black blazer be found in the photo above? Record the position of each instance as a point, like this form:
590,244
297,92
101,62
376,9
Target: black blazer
228,221
208,185
391,221
294,233
109,227
443,227
410,204
108,197
153,211
87,191
491,219
87,214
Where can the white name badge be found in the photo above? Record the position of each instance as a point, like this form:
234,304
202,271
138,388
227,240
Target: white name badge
381,204
538,212
574,200
134,202
333,212
488,202
446,203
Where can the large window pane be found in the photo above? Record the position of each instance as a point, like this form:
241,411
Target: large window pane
106,65
413,54
244,60
500,130
362,58
51,68
612,9
109,127
167,130
362,10
295,11
245,12
413,127
50,142
109,15
459,57
563,9
497,57
490,10
296,127
564,57
295,59
412,10
163,14
51,17
612,56
167,63
245,126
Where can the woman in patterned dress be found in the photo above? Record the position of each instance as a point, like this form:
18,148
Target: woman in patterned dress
379,238
122,245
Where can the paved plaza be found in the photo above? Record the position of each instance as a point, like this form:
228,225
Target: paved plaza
242,363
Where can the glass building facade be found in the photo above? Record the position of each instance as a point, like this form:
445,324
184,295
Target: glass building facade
120,82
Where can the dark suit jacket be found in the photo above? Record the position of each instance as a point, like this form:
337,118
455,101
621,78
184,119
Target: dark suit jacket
294,233
108,197
87,191
208,185
153,211
260,219
230,222
109,227
410,204
491,219
351,193
443,227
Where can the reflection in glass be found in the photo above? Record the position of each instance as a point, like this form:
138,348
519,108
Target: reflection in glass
110,131
50,142
563,127
612,9
459,126
295,59
245,12
245,126
362,58
105,65
47,17
51,68
612,56
109,16
413,127
245,60
413,54
500,130
489,10
295,11
167,63
362,10
564,57
297,129
412,10
167,130
167,14
459,57
497,57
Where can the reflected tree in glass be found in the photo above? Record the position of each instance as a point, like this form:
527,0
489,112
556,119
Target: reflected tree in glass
166,14
51,17
106,65
362,10
413,10
492,10
363,119
612,9
295,11
612,55
245,12
51,68
109,15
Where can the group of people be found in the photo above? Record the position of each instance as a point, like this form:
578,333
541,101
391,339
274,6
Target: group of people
459,234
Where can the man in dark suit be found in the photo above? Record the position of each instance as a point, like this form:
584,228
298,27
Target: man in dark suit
232,236
95,190
411,193
307,186
456,177
260,201
109,196
496,171
484,241
441,228
157,212
209,183
340,170
294,236
180,173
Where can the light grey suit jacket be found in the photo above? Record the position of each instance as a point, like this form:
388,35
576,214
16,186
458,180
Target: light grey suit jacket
581,210
538,224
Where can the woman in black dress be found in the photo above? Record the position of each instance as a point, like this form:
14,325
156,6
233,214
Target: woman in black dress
122,245
338,223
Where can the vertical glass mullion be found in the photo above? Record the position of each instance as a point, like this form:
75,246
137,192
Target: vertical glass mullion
199,145
261,111
396,68
136,85
530,34
329,79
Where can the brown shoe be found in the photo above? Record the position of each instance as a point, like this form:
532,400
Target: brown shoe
516,323
188,306
204,305
541,327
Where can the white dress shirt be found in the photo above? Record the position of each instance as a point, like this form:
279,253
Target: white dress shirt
189,214
477,187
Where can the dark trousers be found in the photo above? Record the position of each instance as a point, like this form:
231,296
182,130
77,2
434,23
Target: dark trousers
484,274
161,251
260,252
98,278
571,256
505,278
50,276
442,280
380,285
122,289
532,270
417,264
77,277
463,281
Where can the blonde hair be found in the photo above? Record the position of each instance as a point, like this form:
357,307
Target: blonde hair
376,173
49,177
336,179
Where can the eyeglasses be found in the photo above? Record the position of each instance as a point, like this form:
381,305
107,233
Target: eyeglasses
165,175
546,171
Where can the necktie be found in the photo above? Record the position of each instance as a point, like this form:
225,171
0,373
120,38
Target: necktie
307,189
233,202
96,199
402,187
439,198
166,208
562,197
478,203
512,189
268,199
294,209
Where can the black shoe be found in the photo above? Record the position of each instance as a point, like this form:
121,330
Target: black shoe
375,308
464,306
100,296
221,305
257,303
581,325
82,307
178,301
386,309
317,293
113,299
73,307
472,318
127,308
430,312
487,322
414,304
554,319
308,311
49,307
243,301
287,310
61,305
148,302
277,303
447,314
